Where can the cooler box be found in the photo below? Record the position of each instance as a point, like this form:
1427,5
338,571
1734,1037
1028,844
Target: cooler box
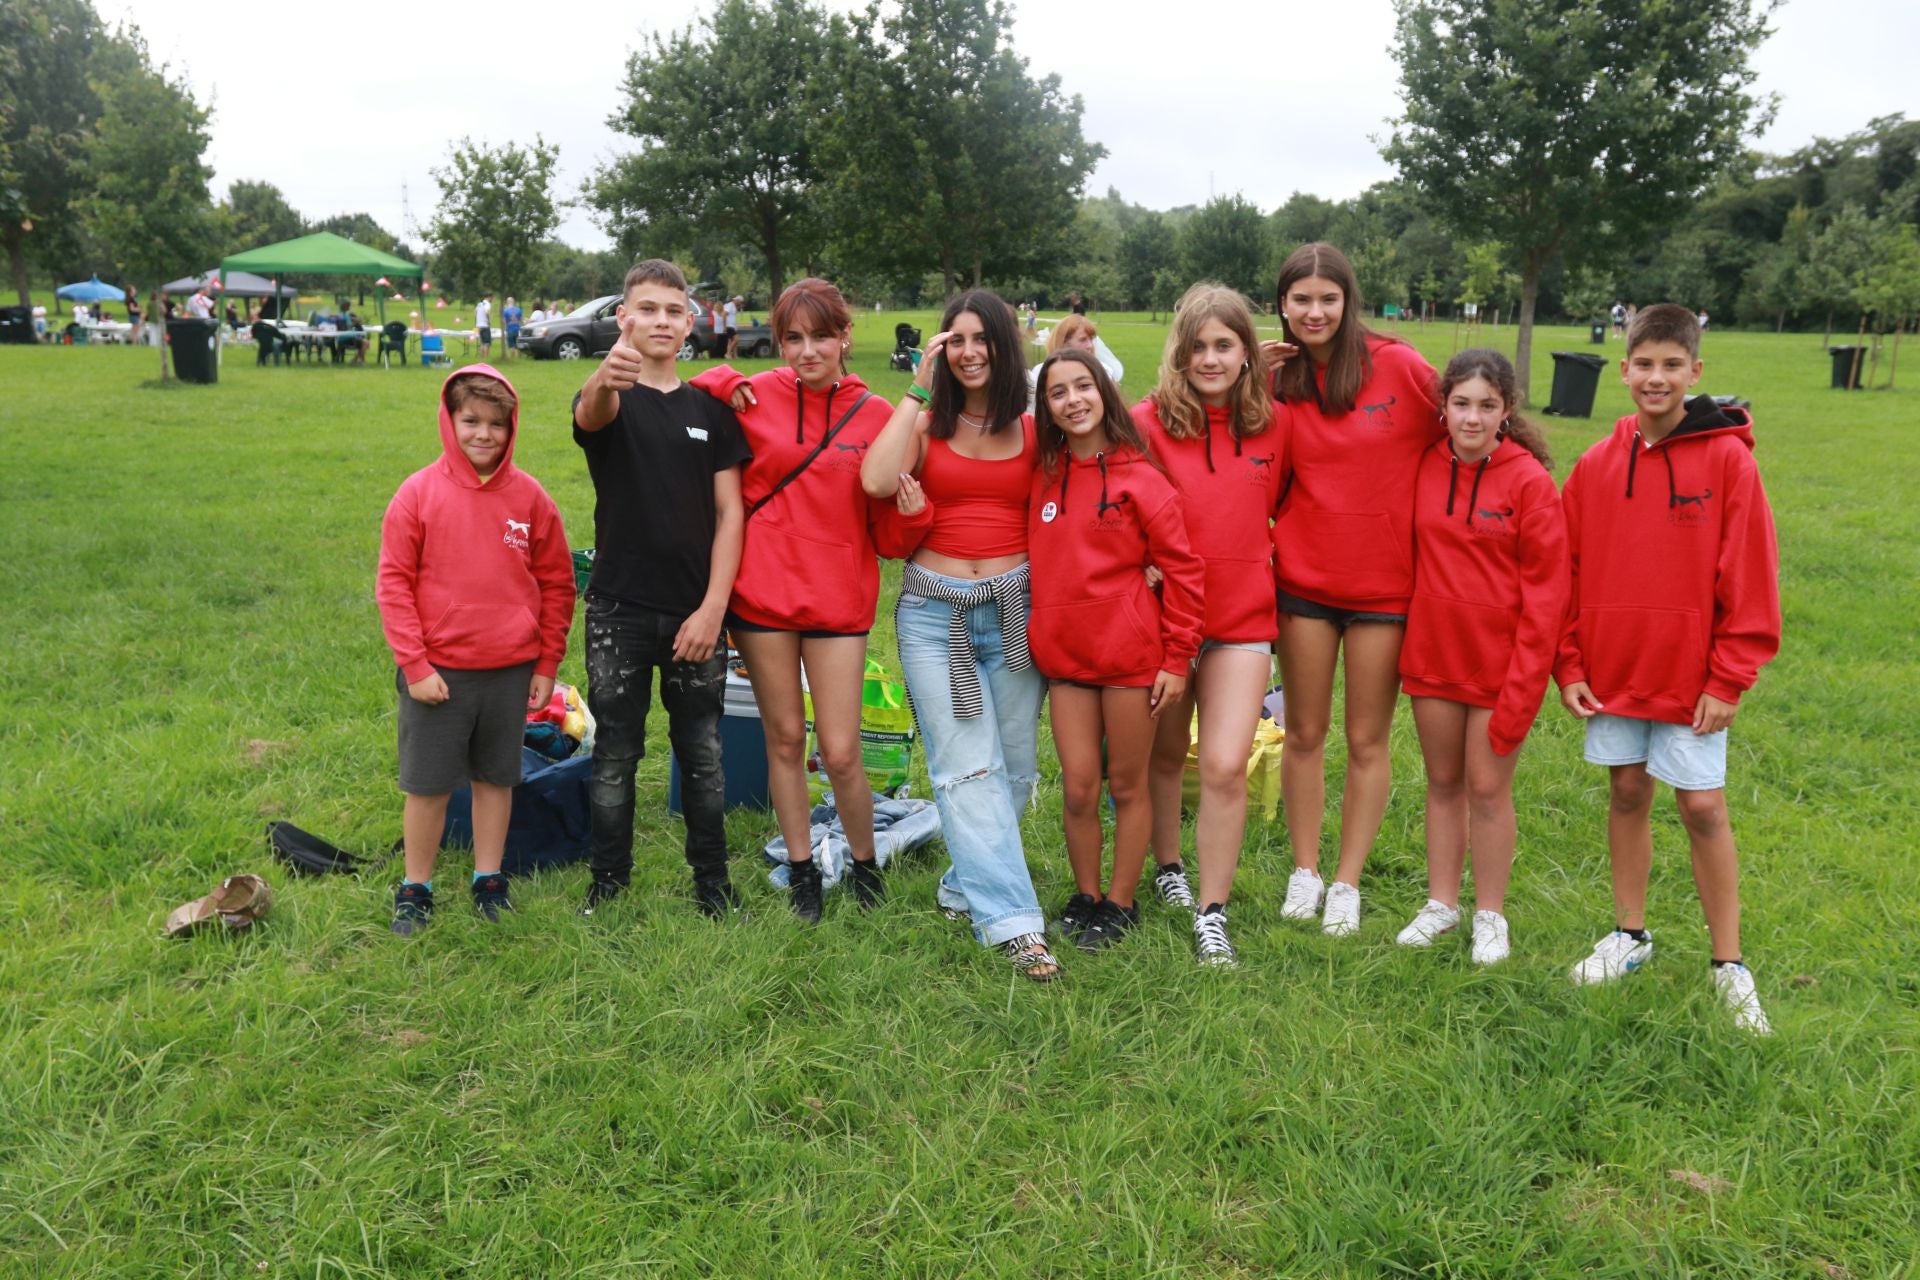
743,749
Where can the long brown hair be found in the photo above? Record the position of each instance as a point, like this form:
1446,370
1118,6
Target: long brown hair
1350,364
1119,425
1006,384
1180,410
1485,362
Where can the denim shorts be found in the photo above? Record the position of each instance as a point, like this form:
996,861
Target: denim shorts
1673,753
735,622
1341,618
1249,646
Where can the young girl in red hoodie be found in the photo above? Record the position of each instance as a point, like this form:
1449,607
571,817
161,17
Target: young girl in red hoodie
809,578
1490,586
1208,421
1359,411
1100,512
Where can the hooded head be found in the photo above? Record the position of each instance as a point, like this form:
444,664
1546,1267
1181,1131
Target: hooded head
479,420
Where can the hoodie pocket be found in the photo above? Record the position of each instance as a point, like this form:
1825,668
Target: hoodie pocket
788,571
1350,556
1090,639
1643,653
483,633
1458,642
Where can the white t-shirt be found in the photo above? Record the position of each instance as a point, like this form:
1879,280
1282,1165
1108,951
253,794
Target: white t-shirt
733,316
537,316
483,315
200,306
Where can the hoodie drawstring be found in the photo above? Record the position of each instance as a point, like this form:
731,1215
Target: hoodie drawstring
1473,498
1632,457
1453,480
1673,494
800,408
1209,439
1101,458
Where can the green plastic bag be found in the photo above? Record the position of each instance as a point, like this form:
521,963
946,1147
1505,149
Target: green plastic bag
886,737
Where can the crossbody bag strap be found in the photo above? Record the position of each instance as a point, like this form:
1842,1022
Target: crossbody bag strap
807,461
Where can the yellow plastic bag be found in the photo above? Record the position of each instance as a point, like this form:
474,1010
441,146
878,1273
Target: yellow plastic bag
1263,770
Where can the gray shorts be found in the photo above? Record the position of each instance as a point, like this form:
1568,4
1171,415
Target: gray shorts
474,735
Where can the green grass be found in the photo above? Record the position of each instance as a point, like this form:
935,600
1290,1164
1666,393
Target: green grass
192,649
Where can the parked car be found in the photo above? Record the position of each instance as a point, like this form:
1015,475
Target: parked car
590,329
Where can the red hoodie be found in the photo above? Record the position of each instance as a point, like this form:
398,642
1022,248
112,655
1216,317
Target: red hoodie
473,575
808,560
1228,486
1490,586
1344,533
1092,528
1676,577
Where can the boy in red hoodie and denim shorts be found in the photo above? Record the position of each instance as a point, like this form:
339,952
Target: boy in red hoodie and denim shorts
1676,607
476,594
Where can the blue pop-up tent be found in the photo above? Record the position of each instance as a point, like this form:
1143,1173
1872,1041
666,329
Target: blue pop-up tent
94,290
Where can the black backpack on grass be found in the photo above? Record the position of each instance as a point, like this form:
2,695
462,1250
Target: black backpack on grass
308,855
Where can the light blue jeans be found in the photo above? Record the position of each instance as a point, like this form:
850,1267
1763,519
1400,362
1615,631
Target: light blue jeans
983,769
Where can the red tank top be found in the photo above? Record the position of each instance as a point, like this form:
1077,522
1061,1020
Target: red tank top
979,508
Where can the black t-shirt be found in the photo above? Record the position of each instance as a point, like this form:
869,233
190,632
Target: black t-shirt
653,512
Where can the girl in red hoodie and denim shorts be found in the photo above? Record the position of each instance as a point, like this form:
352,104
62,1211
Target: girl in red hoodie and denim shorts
1490,587
809,574
1100,513
1208,420
1359,413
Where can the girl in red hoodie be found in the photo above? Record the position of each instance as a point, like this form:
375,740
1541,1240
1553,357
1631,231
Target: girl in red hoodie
809,578
1490,590
1208,420
1359,412
1100,512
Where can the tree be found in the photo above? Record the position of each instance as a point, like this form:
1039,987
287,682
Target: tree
1575,127
362,228
496,207
1226,240
146,185
1145,248
1590,295
257,214
47,108
945,154
1887,284
728,124
1837,258
1377,270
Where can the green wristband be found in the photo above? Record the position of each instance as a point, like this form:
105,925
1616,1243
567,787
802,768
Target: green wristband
919,393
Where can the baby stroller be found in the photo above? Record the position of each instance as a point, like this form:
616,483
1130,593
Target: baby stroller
906,348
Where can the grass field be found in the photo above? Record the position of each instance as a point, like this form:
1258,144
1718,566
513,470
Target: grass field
192,649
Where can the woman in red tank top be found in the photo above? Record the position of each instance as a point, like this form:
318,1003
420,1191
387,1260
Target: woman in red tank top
961,434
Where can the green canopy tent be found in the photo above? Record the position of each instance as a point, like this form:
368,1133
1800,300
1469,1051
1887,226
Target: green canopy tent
324,253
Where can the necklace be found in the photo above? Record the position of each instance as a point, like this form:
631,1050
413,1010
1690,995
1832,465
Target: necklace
978,424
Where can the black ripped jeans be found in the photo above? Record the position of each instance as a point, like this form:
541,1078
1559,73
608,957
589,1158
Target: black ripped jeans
625,643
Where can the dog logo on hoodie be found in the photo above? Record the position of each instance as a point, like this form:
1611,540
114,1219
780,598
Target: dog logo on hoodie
1260,469
518,533
847,457
1384,407
1688,508
1101,520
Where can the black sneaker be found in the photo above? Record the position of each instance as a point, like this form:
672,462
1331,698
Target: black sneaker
490,896
718,899
1110,924
803,889
412,909
602,890
868,889
1076,915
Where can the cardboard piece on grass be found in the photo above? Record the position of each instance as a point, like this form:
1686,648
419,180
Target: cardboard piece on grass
239,903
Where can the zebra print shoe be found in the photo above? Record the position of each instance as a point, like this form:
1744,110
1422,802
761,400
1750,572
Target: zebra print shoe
1030,957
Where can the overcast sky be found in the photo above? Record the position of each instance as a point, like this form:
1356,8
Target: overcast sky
342,108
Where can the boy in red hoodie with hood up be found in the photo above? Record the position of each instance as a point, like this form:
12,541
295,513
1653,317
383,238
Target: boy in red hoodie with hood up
475,588
1676,608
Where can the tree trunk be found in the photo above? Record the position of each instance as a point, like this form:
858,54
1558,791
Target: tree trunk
1523,345
1873,368
776,270
1893,362
976,271
160,318
1780,325
1853,379
17,261
946,270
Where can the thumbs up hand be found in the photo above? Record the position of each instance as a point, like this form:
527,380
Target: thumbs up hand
621,369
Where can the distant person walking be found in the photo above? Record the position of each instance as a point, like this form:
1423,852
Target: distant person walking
731,313
483,322
510,316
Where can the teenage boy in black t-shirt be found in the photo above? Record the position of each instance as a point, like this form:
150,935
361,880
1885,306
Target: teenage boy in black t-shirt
667,517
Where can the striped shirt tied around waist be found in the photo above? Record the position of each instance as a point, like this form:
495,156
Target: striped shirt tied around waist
963,673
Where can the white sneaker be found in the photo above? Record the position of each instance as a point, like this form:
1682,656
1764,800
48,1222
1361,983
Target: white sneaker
1343,910
1614,956
1171,883
1429,923
1735,985
1304,892
1489,937
1210,942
